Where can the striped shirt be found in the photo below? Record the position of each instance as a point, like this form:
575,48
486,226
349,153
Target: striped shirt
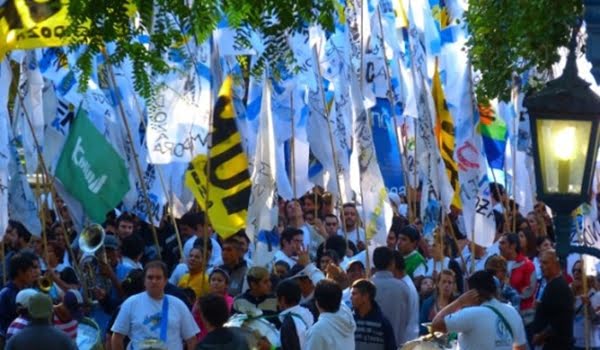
16,326
69,327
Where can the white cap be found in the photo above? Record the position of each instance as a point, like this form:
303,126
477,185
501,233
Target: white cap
24,295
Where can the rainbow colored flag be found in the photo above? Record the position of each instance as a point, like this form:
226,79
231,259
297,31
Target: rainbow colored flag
494,135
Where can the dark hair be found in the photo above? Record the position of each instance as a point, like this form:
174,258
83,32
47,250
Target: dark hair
234,242
411,232
328,295
214,309
335,243
541,239
499,220
134,282
399,263
349,205
22,231
125,217
513,239
199,243
156,264
365,286
382,258
289,233
290,291
132,246
220,271
332,254
397,226
283,263
19,262
192,219
332,216
242,234
483,282
531,249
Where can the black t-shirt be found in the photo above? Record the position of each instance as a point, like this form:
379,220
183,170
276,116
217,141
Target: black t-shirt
41,337
555,313
223,339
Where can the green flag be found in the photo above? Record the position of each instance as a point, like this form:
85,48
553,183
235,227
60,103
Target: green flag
91,170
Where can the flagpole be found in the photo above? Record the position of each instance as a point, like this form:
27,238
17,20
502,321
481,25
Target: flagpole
42,163
333,154
514,154
293,146
168,194
135,155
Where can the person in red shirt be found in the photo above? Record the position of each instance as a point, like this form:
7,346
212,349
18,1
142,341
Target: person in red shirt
521,273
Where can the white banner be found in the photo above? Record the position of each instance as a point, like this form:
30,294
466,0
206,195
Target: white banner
178,121
5,76
263,206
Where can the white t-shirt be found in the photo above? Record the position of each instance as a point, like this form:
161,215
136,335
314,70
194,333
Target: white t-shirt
139,319
352,235
480,328
432,266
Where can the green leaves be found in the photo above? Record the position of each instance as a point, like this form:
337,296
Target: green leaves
513,36
166,23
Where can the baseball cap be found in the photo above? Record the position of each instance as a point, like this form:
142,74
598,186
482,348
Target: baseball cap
111,242
73,302
24,296
309,271
40,306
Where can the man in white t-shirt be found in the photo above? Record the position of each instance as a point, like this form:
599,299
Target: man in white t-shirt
481,320
352,229
291,244
153,318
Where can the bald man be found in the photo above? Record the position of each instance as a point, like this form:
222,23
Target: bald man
553,324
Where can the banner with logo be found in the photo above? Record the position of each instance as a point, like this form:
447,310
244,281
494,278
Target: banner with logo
91,170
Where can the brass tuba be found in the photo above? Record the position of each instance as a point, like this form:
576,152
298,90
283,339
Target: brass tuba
91,238
90,241
44,284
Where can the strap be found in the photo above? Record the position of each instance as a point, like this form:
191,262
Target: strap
293,314
506,324
164,320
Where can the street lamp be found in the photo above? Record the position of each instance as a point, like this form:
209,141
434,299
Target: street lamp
564,118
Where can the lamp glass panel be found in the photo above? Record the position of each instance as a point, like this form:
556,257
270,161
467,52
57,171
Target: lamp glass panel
563,146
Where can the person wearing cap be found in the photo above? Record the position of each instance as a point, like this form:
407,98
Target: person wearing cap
307,277
408,239
355,270
40,334
68,313
22,321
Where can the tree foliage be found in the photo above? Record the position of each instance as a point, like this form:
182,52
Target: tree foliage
170,23
513,36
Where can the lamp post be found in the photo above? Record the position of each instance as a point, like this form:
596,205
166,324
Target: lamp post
564,119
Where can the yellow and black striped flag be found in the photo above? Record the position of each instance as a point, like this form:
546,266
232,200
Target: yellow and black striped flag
227,184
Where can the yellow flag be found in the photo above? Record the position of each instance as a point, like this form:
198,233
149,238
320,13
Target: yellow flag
32,24
228,184
445,136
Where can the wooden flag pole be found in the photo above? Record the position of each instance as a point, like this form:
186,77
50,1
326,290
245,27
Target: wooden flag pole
333,154
293,146
138,169
51,185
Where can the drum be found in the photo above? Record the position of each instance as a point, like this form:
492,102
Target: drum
89,335
253,329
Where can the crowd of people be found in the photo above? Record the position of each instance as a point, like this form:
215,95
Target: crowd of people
314,282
